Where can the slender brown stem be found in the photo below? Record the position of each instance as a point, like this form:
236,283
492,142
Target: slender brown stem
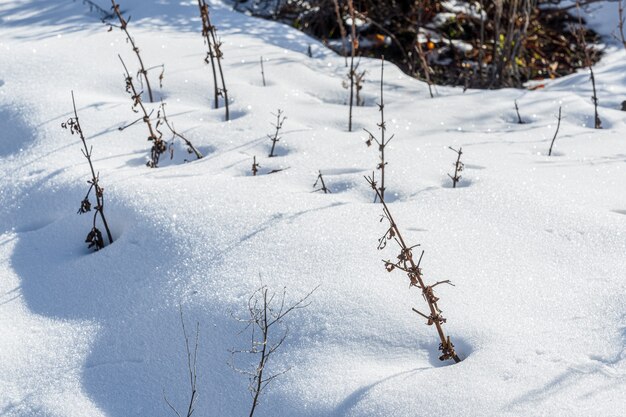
124,27
558,125
353,48
178,135
415,274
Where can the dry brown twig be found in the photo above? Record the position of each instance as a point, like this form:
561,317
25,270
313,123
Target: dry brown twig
159,146
143,72
320,180
280,119
175,133
94,237
458,167
214,56
383,142
406,263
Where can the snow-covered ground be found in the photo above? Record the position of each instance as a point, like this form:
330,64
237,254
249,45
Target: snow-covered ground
536,245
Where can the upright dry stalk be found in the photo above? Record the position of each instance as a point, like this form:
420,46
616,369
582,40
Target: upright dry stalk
414,272
154,135
255,166
143,72
280,119
342,31
214,54
383,142
94,237
353,48
190,147
320,180
519,118
266,312
458,167
580,34
558,125
192,359
262,72
620,25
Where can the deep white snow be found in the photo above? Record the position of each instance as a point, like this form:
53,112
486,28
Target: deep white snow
535,245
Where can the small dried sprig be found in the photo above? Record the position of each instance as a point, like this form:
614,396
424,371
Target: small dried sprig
458,167
580,36
94,237
320,180
280,119
406,263
142,73
262,72
159,146
190,148
356,78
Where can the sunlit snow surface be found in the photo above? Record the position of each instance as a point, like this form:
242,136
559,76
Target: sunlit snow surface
535,245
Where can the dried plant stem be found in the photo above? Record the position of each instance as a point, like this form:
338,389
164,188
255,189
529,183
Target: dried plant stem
353,48
210,58
414,272
124,27
342,31
580,33
458,167
215,54
280,119
519,118
192,359
94,237
558,125
158,145
320,180
383,142
190,147
266,311
262,72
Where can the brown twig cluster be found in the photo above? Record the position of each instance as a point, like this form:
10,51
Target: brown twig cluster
355,80
214,56
159,146
406,263
280,119
255,166
383,142
94,237
142,73
458,167
266,323
320,181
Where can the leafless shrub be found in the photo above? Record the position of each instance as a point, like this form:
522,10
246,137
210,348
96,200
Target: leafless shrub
214,55
355,81
192,359
268,331
458,167
320,180
159,146
406,263
280,119
142,74
558,125
94,237
383,142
